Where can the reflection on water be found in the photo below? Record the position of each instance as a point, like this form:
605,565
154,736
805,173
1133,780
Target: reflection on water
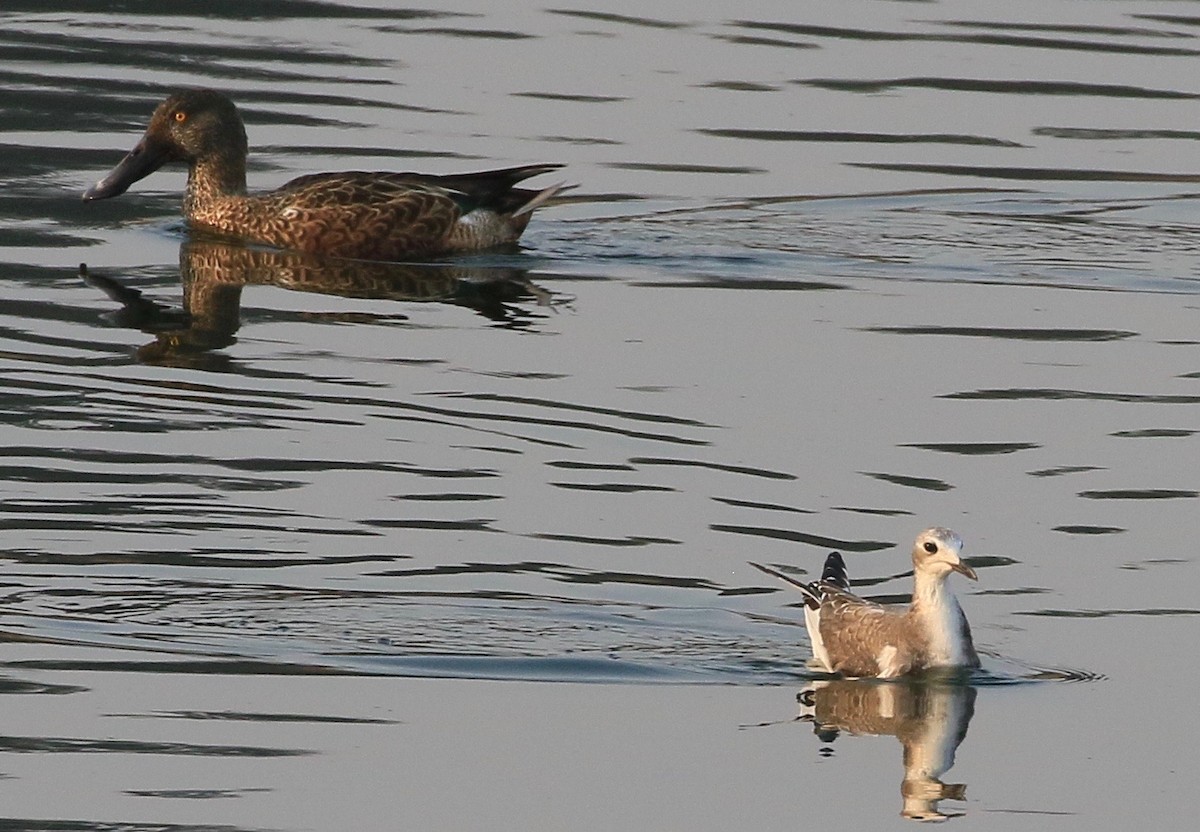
214,274
928,716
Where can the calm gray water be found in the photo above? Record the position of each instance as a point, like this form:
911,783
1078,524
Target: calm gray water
463,544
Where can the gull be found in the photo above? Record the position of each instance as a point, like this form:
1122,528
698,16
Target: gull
859,638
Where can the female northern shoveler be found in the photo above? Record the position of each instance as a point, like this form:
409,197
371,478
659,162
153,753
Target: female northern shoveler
371,216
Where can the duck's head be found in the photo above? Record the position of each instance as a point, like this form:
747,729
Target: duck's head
939,551
189,126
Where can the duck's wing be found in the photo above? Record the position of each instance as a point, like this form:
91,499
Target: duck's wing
493,190
383,215
353,214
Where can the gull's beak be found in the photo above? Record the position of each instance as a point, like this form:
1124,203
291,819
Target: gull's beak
964,570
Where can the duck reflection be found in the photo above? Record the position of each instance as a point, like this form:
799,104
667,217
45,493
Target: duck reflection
214,274
929,718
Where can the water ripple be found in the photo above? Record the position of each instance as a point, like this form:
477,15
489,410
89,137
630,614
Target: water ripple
973,448
1152,611
69,745
713,466
908,481
1027,87
1010,333
1053,394
804,537
867,138
987,38
1139,494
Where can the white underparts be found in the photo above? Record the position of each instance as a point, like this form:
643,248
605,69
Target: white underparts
943,620
886,660
812,621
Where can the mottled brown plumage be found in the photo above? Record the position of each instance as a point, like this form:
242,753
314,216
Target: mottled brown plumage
857,637
357,214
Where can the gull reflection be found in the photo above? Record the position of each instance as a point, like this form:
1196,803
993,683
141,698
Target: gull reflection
929,717
214,274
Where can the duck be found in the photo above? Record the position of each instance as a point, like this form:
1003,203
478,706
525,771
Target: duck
352,214
857,638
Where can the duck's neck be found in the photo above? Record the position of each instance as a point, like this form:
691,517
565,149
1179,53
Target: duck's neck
213,178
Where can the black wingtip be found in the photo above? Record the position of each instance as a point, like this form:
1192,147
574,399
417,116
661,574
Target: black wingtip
835,571
777,574
810,594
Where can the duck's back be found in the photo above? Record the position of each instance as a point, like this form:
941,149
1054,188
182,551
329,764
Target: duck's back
381,215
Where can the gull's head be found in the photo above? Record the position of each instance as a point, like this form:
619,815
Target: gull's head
939,551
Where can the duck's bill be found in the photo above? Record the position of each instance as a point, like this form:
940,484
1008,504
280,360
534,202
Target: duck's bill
147,157
962,569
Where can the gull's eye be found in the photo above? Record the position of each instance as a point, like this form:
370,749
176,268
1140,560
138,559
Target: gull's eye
930,547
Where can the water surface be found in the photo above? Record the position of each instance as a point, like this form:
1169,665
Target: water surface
832,274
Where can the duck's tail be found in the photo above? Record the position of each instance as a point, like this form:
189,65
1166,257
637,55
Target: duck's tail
540,197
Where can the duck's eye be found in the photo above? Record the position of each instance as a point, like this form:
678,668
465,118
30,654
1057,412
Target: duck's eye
180,116
930,547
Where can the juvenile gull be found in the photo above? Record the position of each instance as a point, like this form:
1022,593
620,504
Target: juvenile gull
856,637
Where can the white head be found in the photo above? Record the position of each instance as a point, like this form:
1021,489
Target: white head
939,551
